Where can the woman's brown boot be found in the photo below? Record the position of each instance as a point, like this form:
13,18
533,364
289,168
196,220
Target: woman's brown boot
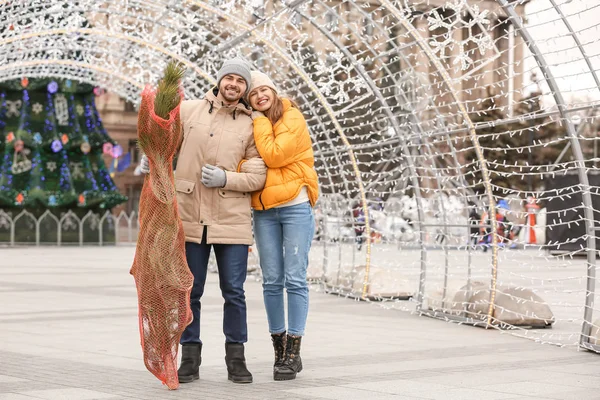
292,363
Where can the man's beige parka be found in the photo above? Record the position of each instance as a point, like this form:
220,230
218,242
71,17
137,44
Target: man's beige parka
219,135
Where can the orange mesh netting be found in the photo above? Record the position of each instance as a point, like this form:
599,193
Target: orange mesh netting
160,269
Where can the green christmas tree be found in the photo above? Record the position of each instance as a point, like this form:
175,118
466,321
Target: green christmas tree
52,148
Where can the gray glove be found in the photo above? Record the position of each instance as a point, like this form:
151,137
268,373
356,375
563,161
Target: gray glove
254,165
145,165
213,177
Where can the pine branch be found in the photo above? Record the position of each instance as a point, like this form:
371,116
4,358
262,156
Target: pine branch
167,95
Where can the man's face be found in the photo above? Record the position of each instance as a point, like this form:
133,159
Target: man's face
232,87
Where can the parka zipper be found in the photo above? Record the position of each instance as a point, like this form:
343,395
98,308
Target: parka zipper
261,203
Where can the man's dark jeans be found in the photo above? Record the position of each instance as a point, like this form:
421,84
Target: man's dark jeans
232,261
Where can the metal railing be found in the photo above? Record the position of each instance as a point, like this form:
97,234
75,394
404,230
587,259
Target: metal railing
24,228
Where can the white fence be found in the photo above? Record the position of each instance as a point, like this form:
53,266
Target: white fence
25,228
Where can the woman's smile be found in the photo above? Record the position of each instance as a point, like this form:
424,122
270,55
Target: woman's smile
261,99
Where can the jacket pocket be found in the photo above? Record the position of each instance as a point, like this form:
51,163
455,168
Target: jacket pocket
186,200
243,139
234,207
231,194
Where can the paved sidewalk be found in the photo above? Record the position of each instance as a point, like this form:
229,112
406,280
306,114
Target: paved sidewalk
68,330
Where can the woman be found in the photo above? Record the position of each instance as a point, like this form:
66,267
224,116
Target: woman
283,217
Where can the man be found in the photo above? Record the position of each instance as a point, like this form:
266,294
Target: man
214,207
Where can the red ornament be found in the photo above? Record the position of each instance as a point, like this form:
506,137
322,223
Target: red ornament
24,82
20,198
107,148
98,91
65,138
10,137
81,199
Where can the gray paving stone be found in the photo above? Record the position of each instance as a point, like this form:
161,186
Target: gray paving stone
14,396
465,394
10,379
68,394
541,390
345,393
428,390
69,330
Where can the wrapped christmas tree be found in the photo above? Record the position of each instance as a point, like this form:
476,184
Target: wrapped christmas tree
51,152
162,276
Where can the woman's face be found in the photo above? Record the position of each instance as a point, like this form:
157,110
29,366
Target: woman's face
261,98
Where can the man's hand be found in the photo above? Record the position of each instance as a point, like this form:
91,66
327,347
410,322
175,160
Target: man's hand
213,177
145,165
254,166
257,114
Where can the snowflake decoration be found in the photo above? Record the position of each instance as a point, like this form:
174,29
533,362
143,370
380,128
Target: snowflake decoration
20,162
79,109
61,109
51,166
14,107
4,220
37,108
74,20
336,77
70,221
77,170
481,40
226,5
94,220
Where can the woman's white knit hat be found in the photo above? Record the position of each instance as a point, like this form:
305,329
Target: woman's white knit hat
259,79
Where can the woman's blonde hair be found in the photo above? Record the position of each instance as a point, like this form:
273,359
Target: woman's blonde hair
275,112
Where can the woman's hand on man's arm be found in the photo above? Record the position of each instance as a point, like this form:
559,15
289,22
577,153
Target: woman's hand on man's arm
254,165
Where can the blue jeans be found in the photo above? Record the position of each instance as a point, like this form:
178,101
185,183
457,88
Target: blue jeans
283,238
232,260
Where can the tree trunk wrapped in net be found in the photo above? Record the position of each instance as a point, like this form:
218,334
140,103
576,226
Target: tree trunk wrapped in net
160,269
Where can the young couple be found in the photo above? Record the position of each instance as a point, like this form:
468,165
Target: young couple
233,158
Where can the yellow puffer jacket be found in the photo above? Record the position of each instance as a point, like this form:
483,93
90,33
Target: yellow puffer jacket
287,150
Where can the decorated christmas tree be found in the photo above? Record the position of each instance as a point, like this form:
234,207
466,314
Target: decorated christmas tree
51,152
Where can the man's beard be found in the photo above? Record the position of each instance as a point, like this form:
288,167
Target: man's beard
238,95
